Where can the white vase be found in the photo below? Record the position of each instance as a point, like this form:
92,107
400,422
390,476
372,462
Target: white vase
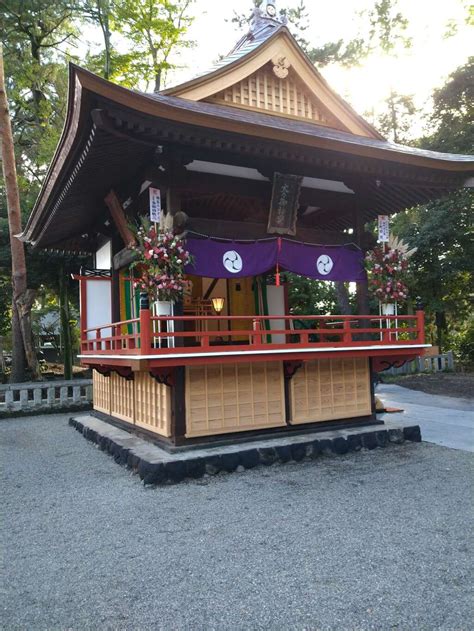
163,308
388,308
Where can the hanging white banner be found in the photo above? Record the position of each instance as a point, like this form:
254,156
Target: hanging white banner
384,228
155,204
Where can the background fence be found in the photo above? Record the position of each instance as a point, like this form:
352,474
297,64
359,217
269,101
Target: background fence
45,395
429,363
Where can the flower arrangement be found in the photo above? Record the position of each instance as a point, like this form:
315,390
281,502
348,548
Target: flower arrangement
160,261
387,270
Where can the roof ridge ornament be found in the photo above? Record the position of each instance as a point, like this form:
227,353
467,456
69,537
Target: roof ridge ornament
261,17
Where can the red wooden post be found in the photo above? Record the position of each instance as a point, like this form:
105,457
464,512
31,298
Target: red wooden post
145,331
257,327
98,343
420,325
347,332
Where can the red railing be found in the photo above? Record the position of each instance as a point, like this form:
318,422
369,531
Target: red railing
150,335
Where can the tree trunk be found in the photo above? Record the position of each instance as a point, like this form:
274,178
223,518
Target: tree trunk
18,368
103,16
65,323
24,304
393,116
440,321
21,324
342,294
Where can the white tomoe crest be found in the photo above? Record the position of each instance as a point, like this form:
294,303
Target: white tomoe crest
232,261
324,264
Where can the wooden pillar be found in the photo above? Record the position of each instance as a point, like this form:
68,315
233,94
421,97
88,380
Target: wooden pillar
178,403
116,247
360,203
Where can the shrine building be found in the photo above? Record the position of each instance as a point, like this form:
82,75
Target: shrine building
266,173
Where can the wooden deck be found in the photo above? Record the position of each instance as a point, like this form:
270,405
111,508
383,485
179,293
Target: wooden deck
182,340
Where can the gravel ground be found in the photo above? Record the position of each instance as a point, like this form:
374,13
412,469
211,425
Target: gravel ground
448,384
373,540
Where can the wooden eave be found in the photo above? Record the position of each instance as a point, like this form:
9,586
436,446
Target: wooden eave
111,130
206,86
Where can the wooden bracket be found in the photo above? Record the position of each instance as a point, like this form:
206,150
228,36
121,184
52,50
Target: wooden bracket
103,370
166,377
124,371
118,216
290,368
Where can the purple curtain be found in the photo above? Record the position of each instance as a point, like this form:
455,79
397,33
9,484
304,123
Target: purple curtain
322,262
231,259
234,259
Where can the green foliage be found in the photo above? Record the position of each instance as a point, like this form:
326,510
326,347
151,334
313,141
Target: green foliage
388,28
443,230
396,122
452,119
310,297
465,348
155,29
444,262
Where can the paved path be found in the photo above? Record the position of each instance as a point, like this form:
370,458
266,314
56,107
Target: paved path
372,540
446,421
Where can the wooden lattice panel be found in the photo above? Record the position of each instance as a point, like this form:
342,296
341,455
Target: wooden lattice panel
330,389
264,91
234,398
122,398
152,404
101,392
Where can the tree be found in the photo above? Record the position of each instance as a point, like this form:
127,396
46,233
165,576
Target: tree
397,121
99,12
443,230
37,87
452,119
444,262
23,347
157,30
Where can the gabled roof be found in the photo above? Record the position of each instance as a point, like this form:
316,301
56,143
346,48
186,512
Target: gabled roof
256,53
246,44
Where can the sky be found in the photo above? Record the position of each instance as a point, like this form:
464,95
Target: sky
416,71
425,66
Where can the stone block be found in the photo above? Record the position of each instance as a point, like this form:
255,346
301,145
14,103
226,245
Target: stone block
354,442
339,445
151,472
213,465
298,451
326,446
395,435
132,461
412,433
381,436
316,449
195,468
268,455
230,461
369,440
249,458
175,470
283,453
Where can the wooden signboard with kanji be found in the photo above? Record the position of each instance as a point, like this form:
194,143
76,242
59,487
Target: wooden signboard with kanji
284,204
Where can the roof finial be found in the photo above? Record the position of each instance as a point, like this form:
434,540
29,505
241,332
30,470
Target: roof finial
261,16
270,8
